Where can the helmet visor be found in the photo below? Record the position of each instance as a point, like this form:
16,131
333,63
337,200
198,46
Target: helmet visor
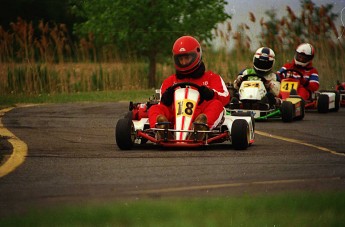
185,60
302,57
263,65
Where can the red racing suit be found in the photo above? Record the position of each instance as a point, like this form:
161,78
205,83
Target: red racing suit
212,108
310,75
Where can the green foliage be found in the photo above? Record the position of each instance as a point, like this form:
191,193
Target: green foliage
148,28
100,96
97,80
35,10
30,79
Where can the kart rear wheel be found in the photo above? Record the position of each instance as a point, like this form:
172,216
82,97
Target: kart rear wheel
302,111
337,101
124,133
240,134
323,103
287,110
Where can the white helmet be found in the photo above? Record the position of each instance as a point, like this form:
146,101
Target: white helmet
263,60
304,54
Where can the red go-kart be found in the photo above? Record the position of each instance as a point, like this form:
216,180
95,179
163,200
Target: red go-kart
322,101
134,128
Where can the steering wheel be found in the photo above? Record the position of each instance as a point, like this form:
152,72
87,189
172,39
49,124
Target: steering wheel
185,84
286,74
244,78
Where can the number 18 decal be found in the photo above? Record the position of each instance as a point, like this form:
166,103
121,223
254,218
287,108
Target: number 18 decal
185,108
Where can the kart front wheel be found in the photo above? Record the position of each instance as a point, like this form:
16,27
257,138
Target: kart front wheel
124,134
246,114
287,111
240,134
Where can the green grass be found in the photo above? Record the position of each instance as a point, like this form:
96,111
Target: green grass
101,96
293,209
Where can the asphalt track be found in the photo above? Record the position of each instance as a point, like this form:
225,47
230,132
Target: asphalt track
66,153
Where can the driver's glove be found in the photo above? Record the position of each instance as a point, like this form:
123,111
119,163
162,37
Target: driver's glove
168,96
238,81
206,93
305,82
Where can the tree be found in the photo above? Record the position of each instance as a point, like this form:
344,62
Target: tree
35,11
148,27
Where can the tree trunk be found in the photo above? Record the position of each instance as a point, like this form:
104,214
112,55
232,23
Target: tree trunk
152,71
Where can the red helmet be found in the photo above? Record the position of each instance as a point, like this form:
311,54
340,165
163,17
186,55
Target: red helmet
304,54
187,54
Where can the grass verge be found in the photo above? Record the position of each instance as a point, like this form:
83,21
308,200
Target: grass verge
100,96
293,209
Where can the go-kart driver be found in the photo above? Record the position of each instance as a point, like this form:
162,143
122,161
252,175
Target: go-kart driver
187,55
263,61
302,62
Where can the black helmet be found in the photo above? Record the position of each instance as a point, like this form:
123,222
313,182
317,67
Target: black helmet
263,60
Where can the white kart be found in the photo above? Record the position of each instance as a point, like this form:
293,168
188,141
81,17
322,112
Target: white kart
252,94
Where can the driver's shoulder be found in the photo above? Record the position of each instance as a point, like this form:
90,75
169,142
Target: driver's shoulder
170,80
210,73
248,71
270,76
288,65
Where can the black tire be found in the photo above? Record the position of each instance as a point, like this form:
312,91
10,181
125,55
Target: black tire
240,134
128,115
323,103
124,134
298,118
287,111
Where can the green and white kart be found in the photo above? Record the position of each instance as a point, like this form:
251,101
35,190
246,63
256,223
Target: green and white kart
253,97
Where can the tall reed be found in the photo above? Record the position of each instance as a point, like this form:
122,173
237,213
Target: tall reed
314,25
44,58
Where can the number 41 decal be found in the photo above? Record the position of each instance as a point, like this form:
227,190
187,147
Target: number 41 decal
288,86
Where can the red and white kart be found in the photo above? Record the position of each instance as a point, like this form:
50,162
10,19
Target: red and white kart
322,101
341,89
293,105
134,128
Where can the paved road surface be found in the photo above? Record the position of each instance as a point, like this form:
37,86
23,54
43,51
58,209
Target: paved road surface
72,157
